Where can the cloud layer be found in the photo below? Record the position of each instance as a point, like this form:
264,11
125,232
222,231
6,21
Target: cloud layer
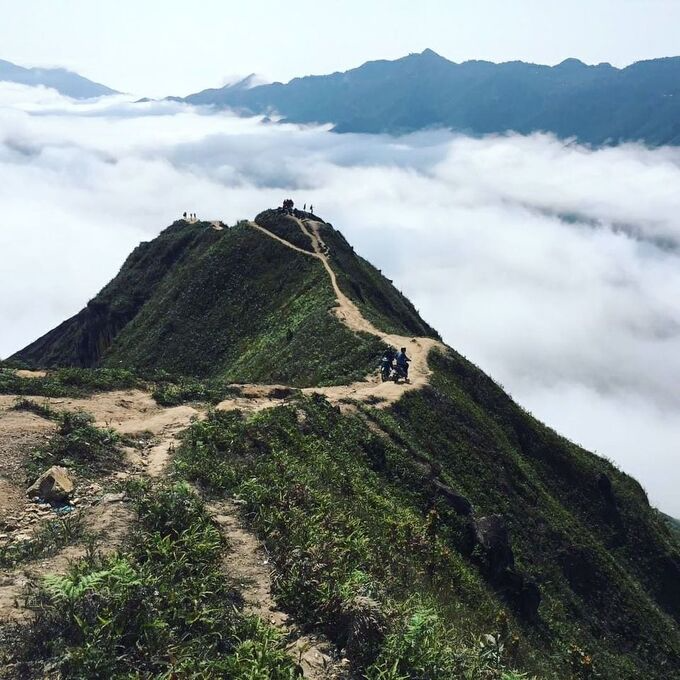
554,267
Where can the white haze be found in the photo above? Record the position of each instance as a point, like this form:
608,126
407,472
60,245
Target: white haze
554,267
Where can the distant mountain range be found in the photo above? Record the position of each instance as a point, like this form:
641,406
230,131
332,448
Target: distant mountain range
65,82
595,104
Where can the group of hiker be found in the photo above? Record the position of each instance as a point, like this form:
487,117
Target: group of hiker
289,207
394,365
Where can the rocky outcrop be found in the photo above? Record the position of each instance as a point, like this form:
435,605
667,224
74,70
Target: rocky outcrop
491,535
54,486
460,504
494,555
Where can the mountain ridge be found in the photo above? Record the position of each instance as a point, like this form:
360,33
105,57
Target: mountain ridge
66,82
440,509
595,104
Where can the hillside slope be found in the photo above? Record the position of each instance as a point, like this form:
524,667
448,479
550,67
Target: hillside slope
227,303
595,104
435,530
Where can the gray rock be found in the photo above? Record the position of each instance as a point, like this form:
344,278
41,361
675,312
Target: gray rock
54,485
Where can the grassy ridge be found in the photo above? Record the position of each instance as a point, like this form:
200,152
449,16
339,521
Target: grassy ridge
346,520
605,563
378,299
247,309
83,339
230,304
350,506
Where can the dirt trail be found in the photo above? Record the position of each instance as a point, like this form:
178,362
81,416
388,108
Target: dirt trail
371,388
247,564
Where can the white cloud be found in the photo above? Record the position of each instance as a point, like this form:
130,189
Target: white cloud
554,267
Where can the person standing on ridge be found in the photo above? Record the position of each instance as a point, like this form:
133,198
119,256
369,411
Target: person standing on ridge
311,209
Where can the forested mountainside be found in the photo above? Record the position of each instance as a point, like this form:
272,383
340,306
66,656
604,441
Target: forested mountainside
597,104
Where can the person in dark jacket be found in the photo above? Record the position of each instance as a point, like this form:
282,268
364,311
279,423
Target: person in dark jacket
402,362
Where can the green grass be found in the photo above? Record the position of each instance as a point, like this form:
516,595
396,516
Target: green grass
69,382
356,551
77,444
378,299
162,607
246,309
49,539
604,562
286,228
233,305
350,516
181,390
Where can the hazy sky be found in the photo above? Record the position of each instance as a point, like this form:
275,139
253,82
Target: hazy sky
160,47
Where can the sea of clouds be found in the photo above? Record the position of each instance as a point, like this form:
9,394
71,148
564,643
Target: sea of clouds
554,267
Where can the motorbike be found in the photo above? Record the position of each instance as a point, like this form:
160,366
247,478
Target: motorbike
386,370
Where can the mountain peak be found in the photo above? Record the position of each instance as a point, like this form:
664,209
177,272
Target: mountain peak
222,335
62,80
572,64
429,55
425,90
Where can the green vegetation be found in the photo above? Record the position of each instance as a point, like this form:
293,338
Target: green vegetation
605,563
69,382
231,304
43,410
174,391
450,535
286,228
162,607
359,513
77,444
49,539
380,302
673,524
247,309
82,340
355,549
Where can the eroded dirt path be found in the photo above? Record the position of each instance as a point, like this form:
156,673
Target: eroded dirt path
248,564
371,388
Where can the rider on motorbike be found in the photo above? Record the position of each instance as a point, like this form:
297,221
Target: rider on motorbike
387,363
402,363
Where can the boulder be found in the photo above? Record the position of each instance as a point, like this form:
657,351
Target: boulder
54,485
497,562
491,535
